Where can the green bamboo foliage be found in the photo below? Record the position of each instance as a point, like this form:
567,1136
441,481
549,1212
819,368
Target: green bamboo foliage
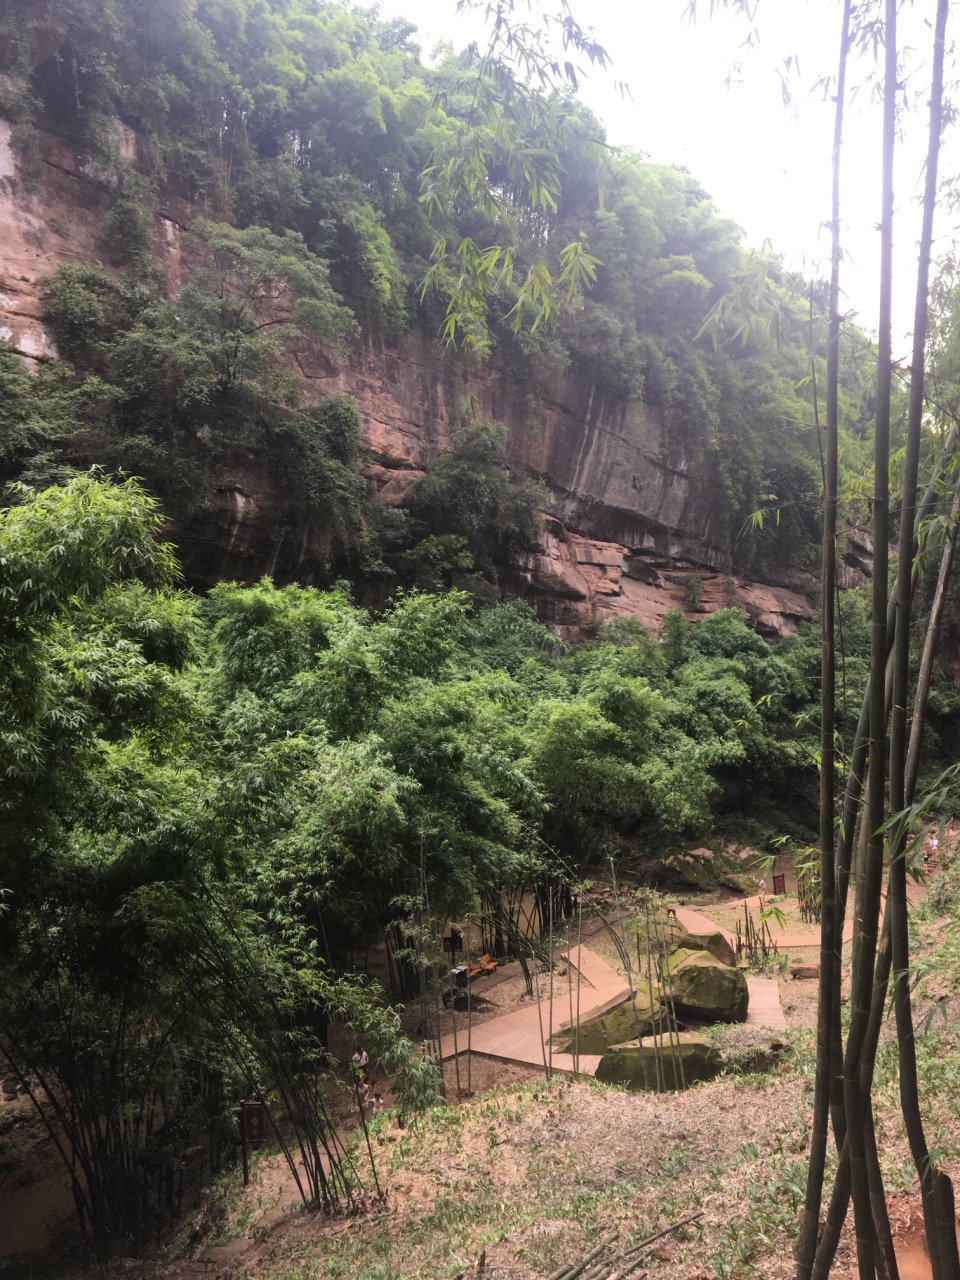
829,938
876,950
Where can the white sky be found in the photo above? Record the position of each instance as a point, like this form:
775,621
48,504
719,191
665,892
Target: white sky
766,165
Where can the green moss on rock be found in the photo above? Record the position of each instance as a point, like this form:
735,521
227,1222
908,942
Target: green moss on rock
635,1065
705,990
738,882
618,1024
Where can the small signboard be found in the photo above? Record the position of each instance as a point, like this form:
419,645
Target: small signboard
671,914
454,943
254,1115
779,884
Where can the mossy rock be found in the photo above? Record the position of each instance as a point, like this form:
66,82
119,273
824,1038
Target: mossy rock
635,1065
738,882
716,943
616,1025
704,990
692,868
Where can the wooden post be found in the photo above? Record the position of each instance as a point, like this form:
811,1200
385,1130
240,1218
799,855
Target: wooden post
551,980
243,1146
469,1030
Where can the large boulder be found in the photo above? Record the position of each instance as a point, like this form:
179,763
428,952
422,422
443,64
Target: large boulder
618,1024
704,990
718,944
636,1065
697,867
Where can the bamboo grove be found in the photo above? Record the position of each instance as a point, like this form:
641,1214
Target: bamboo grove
215,806
879,796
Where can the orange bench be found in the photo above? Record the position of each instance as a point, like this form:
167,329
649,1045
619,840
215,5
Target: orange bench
483,965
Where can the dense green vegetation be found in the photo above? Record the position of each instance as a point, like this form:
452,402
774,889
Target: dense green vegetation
213,807
358,746
310,140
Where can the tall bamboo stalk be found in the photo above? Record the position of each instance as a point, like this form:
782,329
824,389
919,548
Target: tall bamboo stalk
425,897
547,1064
576,1041
660,932
456,1046
829,945
628,968
940,1234
654,1022
570,996
870,870
551,979
469,1031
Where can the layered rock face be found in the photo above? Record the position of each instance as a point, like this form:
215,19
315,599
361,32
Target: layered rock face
623,530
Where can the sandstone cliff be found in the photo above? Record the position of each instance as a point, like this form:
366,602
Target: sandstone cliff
623,531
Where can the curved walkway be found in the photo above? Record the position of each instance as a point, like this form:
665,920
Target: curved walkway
696,922
523,1036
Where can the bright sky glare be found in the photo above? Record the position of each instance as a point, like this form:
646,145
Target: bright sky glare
765,164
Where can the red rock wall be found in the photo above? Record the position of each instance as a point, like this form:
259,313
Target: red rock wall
622,532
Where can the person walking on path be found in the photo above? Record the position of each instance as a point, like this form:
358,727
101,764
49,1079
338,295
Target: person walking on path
360,1098
931,847
361,1062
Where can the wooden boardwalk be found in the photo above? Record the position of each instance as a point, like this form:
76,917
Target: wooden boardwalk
765,1009
523,1036
694,922
809,937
